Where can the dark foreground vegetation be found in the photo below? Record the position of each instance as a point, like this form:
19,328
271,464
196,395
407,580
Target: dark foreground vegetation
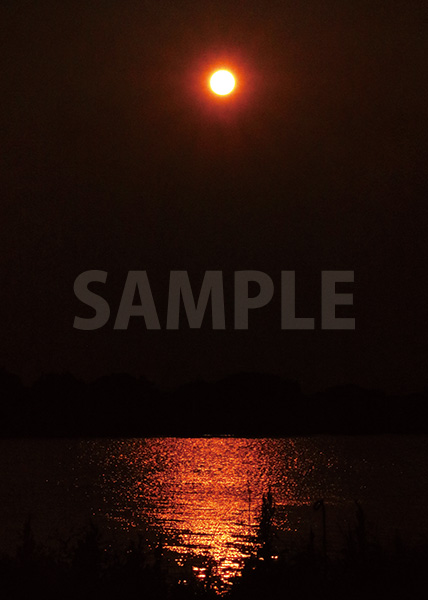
241,405
89,568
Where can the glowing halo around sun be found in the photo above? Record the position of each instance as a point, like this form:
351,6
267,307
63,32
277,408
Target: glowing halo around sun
222,82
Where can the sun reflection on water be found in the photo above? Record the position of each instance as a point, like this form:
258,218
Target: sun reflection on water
203,495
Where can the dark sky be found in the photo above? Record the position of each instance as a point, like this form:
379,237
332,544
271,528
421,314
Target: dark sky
115,157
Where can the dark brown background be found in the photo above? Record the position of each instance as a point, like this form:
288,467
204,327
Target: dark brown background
115,157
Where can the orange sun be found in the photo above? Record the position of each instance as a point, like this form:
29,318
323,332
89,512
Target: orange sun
222,82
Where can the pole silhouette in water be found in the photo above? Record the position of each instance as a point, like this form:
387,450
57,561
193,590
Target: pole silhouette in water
265,528
319,505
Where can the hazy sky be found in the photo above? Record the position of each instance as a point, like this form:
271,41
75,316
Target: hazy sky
115,157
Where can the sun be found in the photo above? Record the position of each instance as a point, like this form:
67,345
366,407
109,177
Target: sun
222,82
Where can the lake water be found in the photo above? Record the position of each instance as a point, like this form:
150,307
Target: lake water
202,497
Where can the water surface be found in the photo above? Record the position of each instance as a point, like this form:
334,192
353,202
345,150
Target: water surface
201,498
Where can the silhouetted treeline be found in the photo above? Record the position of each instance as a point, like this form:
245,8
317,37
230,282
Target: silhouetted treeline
240,405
